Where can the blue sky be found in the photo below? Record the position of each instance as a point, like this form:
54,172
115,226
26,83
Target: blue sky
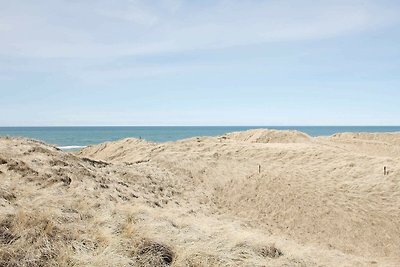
175,62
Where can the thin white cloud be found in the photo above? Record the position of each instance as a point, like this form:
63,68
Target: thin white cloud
85,29
131,14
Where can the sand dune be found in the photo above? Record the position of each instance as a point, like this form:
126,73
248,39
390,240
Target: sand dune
389,138
254,198
269,136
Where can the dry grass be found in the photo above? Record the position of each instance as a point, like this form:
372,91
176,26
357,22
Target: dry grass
32,240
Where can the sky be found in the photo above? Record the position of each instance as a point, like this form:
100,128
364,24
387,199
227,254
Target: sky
199,62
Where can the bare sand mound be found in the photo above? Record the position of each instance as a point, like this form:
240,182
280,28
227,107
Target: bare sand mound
199,202
269,136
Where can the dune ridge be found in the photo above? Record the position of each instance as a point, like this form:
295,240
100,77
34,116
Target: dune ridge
269,136
253,198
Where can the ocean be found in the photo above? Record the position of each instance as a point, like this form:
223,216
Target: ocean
70,138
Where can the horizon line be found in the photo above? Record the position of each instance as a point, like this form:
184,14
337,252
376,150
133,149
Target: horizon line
72,126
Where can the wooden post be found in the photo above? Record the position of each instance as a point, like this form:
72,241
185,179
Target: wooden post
259,168
384,170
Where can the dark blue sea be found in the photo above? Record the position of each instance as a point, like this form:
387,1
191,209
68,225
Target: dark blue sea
76,137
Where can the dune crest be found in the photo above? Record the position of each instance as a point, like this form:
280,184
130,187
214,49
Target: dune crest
269,136
390,138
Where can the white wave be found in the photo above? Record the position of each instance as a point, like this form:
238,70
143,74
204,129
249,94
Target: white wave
70,147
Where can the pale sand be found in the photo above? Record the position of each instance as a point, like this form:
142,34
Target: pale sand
201,202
